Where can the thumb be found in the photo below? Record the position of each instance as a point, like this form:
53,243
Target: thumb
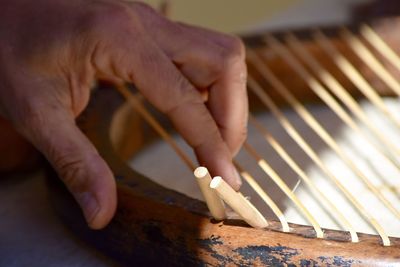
54,132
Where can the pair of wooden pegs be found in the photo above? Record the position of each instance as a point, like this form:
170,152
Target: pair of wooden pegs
216,189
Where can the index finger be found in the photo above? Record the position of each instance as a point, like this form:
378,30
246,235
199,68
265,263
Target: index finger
228,104
228,100
191,118
153,73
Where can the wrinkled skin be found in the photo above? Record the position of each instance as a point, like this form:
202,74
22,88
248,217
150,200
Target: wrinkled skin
52,51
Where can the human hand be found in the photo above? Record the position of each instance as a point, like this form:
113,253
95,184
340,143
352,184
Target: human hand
51,51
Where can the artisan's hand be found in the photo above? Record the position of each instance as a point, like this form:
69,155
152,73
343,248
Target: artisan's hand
51,51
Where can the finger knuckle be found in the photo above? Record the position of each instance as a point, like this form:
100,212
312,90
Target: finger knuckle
108,16
235,49
70,170
184,95
216,65
143,8
29,115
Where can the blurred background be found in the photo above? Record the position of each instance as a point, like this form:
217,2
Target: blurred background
238,16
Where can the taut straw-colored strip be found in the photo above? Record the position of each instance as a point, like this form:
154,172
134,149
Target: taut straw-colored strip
296,185
340,92
380,45
325,136
354,75
139,107
317,192
325,96
372,62
267,101
264,196
282,185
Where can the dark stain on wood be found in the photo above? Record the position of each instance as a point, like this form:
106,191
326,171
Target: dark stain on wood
308,263
269,255
341,261
154,234
336,261
208,244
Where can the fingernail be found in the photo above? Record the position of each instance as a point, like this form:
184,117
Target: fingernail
89,205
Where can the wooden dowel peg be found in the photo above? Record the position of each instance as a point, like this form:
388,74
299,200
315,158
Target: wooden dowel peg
213,201
238,203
